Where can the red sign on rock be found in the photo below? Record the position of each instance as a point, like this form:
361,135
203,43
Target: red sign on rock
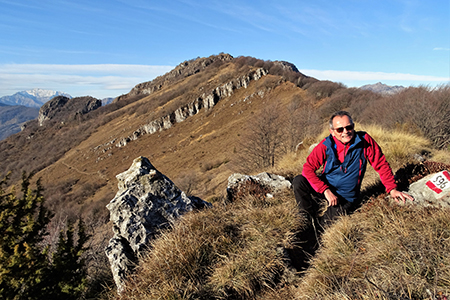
439,182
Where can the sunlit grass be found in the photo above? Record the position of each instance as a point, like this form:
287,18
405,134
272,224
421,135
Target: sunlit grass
386,251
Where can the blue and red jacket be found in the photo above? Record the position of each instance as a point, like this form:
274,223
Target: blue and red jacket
344,165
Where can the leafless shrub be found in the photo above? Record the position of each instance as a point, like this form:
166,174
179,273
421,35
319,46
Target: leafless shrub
344,99
261,143
187,182
301,121
414,109
431,114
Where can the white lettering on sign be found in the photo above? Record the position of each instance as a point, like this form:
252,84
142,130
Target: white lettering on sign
439,182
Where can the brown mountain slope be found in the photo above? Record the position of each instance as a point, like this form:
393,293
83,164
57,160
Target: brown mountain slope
80,159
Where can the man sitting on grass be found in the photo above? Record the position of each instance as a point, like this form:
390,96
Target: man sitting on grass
344,155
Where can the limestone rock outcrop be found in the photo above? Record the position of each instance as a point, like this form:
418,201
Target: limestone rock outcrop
63,108
205,101
185,69
146,202
50,108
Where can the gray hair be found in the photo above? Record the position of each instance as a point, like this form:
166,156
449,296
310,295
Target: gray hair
340,113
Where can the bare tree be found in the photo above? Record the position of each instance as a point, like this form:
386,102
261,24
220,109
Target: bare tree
300,121
263,139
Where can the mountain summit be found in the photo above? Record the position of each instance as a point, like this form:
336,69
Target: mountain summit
32,98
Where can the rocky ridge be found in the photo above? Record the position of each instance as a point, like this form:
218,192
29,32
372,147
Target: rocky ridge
205,101
383,89
65,108
183,70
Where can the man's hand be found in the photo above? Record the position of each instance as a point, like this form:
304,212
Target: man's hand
397,194
332,198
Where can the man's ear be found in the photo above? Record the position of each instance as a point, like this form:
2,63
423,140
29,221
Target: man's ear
331,132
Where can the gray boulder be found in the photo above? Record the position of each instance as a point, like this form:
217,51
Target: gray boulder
432,190
270,182
146,202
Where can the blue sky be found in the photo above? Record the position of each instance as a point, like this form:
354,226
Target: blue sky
104,48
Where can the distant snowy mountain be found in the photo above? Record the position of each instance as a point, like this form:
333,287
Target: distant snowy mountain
382,88
31,98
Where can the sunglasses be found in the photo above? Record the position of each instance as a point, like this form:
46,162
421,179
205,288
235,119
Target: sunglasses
348,128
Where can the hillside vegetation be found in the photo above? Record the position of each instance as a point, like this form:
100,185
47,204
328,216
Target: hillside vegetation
262,116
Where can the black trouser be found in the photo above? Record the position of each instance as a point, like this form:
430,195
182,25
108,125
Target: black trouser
308,200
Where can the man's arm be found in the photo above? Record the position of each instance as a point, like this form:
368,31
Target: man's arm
378,161
314,161
331,197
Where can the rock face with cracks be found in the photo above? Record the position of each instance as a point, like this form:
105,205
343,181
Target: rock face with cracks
146,202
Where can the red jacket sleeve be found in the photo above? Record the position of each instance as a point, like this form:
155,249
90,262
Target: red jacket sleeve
378,161
315,160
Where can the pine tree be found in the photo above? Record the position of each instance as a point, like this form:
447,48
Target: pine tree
67,270
23,222
27,269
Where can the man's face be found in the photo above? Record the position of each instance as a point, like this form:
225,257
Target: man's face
346,127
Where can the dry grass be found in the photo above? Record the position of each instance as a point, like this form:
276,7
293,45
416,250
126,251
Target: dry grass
442,156
231,251
385,251
398,146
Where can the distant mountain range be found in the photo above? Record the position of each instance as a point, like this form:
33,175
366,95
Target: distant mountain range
31,98
22,107
382,88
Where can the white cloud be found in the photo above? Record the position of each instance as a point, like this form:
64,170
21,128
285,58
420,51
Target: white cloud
101,80
372,77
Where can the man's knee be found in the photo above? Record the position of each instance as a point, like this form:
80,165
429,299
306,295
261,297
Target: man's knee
299,182
302,192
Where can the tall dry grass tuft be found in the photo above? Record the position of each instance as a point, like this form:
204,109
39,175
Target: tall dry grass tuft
230,251
384,251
